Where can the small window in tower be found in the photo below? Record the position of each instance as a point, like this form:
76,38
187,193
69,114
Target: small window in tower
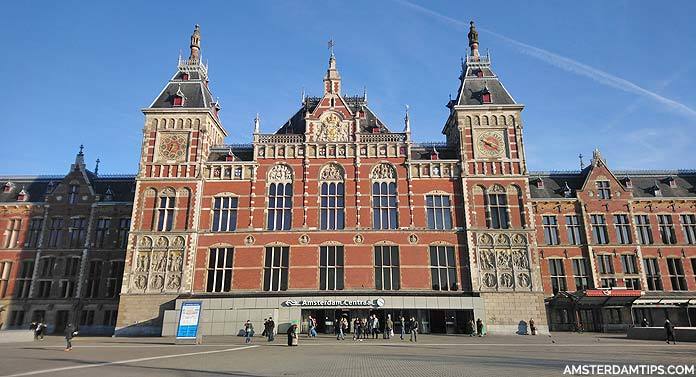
22,196
7,187
486,98
178,101
185,77
333,102
479,73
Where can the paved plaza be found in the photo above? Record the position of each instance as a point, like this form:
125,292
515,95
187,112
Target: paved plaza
433,355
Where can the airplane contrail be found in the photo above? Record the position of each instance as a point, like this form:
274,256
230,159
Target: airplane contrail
566,64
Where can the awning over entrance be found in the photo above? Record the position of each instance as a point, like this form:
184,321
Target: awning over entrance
599,297
665,302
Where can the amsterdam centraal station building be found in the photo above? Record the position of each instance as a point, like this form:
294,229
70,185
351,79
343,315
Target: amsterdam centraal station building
338,214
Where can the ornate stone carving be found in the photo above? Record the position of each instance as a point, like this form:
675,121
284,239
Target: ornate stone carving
146,242
331,172
280,173
331,130
249,240
523,280
412,239
502,239
506,280
140,282
519,239
487,259
159,261
162,242
485,239
179,242
174,282
358,239
520,259
157,282
383,171
504,259
489,280
175,261
304,239
142,263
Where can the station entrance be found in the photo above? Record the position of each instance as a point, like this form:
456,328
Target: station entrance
435,321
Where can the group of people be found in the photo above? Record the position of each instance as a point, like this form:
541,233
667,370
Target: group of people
369,328
39,329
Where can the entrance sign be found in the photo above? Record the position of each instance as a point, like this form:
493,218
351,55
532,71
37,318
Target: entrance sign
188,320
343,303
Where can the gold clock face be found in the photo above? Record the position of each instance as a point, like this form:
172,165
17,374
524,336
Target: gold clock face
491,144
173,147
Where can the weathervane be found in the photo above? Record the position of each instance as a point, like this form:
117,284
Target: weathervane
331,46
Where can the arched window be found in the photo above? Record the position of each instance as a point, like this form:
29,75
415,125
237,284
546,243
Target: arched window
331,198
279,198
497,208
384,197
165,210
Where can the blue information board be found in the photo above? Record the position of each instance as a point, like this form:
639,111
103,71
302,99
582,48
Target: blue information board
188,320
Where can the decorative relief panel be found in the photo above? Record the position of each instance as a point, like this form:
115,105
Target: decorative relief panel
331,129
173,146
280,173
331,172
158,267
503,262
383,171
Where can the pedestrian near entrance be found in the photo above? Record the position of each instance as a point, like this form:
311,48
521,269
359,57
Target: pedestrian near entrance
342,327
414,330
403,326
368,323
669,332
479,327
532,327
69,334
312,327
292,335
472,327
644,322
270,328
388,327
375,327
248,331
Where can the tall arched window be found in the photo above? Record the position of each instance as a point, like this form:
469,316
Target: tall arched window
385,213
497,208
331,198
165,210
279,198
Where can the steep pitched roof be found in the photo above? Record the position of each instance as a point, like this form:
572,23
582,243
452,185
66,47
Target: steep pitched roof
478,78
194,89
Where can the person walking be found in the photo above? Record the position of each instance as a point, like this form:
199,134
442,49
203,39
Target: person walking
472,327
292,335
368,325
70,333
356,328
479,327
265,327
375,327
341,326
248,331
41,328
532,327
403,326
669,332
312,326
271,328
414,330
388,327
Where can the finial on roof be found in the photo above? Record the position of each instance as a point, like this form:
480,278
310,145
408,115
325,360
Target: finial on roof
596,157
79,160
304,96
582,163
81,148
365,93
96,167
566,190
407,121
257,123
195,56
332,80
473,40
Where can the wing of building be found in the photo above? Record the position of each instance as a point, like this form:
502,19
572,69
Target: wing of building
335,213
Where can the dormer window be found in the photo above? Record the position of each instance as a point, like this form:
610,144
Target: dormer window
479,73
434,155
539,183
672,182
7,187
184,77
178,101
628,183
603,190
22,196
656,189
567,192
375,129
486,97
109,195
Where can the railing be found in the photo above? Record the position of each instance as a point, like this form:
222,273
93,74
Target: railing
185,65
280,138
472,61
381,138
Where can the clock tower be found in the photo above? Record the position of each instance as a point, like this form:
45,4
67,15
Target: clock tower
181,126
485,125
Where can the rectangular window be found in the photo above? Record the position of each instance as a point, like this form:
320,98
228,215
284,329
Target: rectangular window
46,266
581,275
443,268
628,264
632,283
550,225
275,271
280,206
331,268
644,232
332,206
113,280
603,191
689,227
55,233
165,214
101,232
623,229
5,268
35,232
676,274
666,229
573,229
123,229
225,214
87,318
17,318
12,233
438,212
558,276
67,288
607,282
599,229
387,271
44,289
652,274
23,281
604,264
384,208
219,272
93,278
497,205
73,194
77,232
110,317
72,267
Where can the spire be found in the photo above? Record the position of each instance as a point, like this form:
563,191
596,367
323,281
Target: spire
195,57
596,157
96,167
407,122
332,80
582,163
473,40
365,94
79,160
257,124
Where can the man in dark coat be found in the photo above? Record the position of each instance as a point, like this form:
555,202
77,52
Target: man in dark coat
69,334
292,334
669,332
479,327
270,329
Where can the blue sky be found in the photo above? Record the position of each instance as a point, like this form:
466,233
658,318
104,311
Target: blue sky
618,75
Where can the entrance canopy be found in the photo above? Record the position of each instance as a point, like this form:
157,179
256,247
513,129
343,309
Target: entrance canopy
599,297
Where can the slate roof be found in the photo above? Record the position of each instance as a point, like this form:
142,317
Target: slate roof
37,187
643,183
196,92
473,86
241,152
422,151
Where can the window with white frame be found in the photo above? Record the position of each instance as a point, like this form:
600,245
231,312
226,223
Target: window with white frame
498,208
101,232
603,190
385,211
387,268
629,264
225,213
35,226
331,268
12,233
599,229
558,276
77,232
605,264
676,274
581,274
623,229
643,227
219,272
279,198
438,212
165,213
73,194
113,279
666,229
443,268
5,268
331,197
689,227
275,271
652,274
573,229
550,225
23,280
